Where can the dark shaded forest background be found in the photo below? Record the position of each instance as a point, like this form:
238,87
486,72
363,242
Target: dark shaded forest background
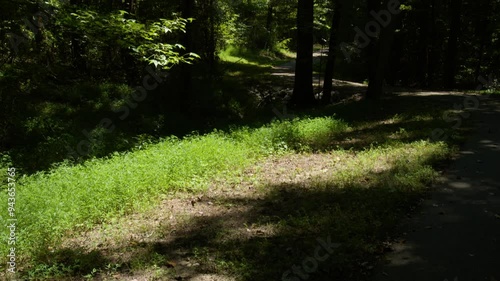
69,70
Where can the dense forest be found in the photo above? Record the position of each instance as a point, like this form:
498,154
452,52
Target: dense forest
85,81
67,65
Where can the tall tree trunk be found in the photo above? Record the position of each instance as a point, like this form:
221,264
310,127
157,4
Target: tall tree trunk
269,25
269,18
372,5
205,22
380,50
211,48
480,56
303,95
187,41
131,6
483,30
433,49
423,55
450,67
332,46
77,48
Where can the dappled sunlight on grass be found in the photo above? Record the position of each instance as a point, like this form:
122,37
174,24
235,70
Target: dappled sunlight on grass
99,189
262,59
353,176
266,225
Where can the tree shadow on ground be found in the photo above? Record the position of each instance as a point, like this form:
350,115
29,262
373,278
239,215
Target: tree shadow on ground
456,235
260,237
61,263
404,105
311,227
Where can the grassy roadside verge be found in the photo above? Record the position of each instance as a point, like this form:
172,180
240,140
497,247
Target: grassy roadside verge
379,180
379,164
70,198
261,223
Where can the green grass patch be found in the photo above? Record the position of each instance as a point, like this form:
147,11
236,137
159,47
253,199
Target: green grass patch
300,134
358,205
381,163
491,92
52,204
261,58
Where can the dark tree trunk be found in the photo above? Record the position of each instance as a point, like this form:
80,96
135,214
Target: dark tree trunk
205,24
132,6
332,46
77,48
380,50
433,49
423,55
373,53
480,56
269,25
303,95
269,18
450,67
187,42
483,29
211,40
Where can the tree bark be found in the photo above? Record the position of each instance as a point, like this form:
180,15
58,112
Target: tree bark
450,66
269,17
380,50
211,44
131,6
433,50
303,95
375,84
77,48
269,44
483,30
332,46
187,41
423,55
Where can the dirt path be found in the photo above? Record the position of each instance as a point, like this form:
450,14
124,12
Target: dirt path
289,67
457,234
345,89
270,213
